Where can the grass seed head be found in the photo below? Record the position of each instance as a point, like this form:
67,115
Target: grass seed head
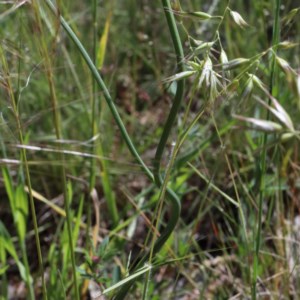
284,65
248,89
200,15
235,63
287,45
180,76
259,124
290,16
238,19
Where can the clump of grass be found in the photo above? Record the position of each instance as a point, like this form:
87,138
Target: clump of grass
198,109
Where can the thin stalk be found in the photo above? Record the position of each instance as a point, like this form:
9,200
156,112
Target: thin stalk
57,125
92,179
163,191
273,75
170,121
242,216
191,97
27,175
179,92
146,285
21,240
97,145
159,152
27,270
94,129
240,207
175,214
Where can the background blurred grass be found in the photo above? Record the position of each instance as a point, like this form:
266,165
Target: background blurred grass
214,260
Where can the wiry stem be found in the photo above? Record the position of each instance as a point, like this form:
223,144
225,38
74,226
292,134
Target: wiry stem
28,178
275,41
57,123
176,205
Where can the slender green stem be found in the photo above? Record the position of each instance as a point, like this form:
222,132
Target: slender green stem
57,125
92,179
146,284
97,145
21,240
27,269
69,227
27,173
93,161
276,38
176,205
179,92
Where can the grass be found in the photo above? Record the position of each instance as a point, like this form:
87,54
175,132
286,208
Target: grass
149,150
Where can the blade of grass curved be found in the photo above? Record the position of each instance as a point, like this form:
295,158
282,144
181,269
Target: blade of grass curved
103,88
176,207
